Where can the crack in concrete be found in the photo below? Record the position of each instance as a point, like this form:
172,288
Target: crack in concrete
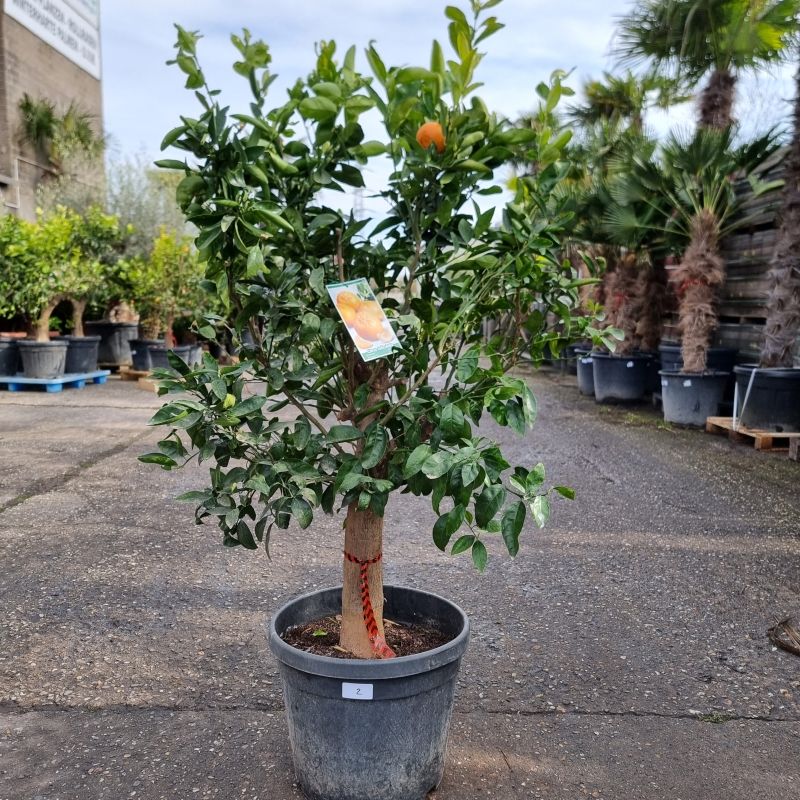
12,708
51,485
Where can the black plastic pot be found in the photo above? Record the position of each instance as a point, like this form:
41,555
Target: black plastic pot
115,338
140,353
689,399
620,379
369,729
81,354
768,398
585,373
9,357
43,359
158,354
720,359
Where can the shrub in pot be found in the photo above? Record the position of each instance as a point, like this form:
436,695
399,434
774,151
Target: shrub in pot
365,428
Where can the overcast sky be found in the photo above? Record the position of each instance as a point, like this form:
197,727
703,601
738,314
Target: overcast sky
143,97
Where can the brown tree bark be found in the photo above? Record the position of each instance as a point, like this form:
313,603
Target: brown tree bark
783,305
624,302
699,274
43,322
652,291
78,307
363,539
716,100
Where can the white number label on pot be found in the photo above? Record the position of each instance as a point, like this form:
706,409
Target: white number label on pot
664,382
357,691
629,365
687,383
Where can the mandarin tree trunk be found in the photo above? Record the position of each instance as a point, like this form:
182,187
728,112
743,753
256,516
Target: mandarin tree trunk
43,322
716,100
699,274
783,307
363,539
78,307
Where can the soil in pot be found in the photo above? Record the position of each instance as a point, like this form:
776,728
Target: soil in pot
392,714
768,399
690,399
140,353
9,356
620,379
321,637
82,354
43,359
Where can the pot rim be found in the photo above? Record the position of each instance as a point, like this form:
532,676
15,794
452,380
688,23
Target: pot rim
618,357
768,372
709,373
368,669
52,343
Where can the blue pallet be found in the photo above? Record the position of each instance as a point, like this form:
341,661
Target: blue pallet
74,380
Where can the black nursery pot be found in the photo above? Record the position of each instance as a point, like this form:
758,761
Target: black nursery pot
81,354
585,368
115,338
620,379
719,359
140,353
43,359
9,357
370,729
158,354
689,399
768,398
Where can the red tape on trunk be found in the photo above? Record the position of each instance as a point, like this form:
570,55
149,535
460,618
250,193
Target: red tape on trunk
377,641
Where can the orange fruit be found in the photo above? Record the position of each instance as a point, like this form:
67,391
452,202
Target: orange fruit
346,298
348,314
367,325
431,133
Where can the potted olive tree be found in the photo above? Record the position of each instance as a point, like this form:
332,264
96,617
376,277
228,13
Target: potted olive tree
367,333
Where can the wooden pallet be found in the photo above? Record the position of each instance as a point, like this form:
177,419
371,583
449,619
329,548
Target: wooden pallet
761,439
75,380
131,374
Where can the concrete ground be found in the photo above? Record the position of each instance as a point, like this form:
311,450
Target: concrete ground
623,654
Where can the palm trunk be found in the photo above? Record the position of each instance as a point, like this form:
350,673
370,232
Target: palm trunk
78,307
624,302
716,100
363,539
783,306
652,293
699,274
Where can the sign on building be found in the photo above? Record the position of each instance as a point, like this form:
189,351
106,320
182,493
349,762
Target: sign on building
72,27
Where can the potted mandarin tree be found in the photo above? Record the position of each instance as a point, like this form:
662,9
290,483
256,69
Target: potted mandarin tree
363,368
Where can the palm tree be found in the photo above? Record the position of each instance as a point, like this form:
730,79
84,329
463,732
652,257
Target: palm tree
714,40
686,197
625,98
783,314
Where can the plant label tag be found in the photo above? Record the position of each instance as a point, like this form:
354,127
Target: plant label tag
687,383
629,365
357,691
364,318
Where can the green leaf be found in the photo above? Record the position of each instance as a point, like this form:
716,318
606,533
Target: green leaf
511,526
158,458
535,478
447,525
248,406
344,433
467,365
415,461
452,422
301,511
479,555
488,503
436,465
170,163
375,446
462,544
515,416
540,507
318,108
565,491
